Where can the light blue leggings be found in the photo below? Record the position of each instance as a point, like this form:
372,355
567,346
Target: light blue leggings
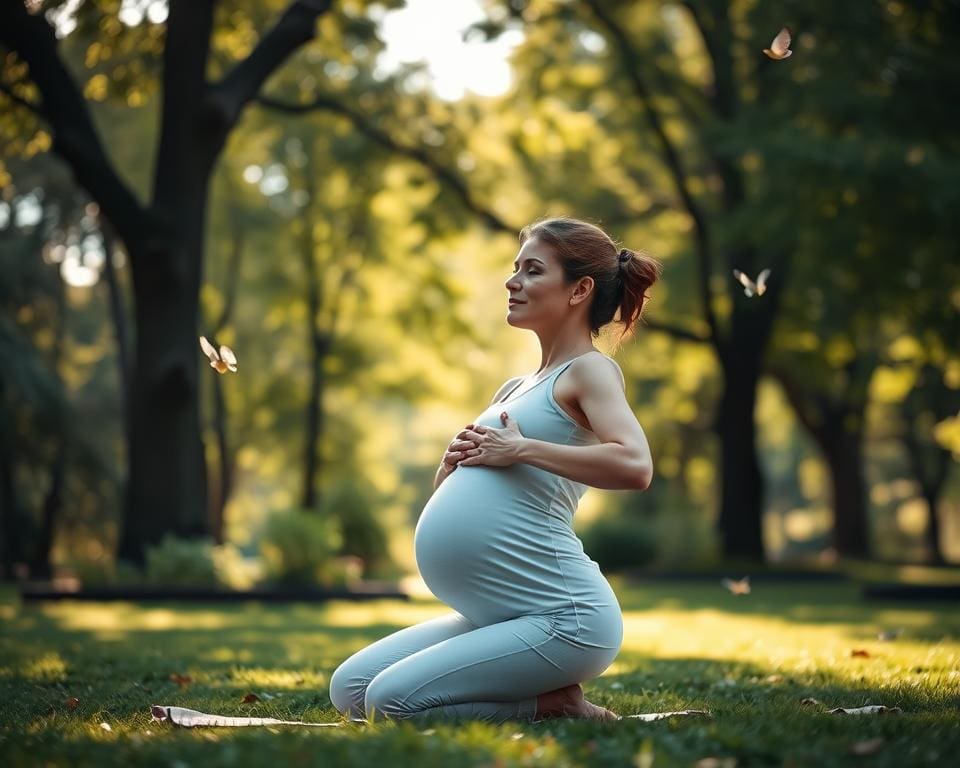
449,667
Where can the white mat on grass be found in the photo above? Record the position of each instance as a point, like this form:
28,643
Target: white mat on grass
191,717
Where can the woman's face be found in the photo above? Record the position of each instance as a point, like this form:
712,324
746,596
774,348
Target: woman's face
537,283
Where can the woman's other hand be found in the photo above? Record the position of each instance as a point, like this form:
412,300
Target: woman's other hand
466,439
495,447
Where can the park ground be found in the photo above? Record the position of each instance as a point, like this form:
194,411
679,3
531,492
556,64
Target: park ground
67,668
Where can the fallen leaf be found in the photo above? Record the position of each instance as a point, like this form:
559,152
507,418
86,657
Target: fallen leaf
809,702
871,709
741,587
106,726
182,680
517,735
250,698
72,703
860,652
716,762
868,747
428,732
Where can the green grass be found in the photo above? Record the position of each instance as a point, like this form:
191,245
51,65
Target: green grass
748,660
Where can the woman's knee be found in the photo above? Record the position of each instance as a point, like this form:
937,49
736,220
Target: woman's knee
386,694
347,691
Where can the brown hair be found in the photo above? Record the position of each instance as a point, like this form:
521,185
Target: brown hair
621,276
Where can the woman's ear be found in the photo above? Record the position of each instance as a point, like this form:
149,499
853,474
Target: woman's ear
582,290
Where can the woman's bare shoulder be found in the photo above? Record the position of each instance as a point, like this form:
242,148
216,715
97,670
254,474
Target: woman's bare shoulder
597,364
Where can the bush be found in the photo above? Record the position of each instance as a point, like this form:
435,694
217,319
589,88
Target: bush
617,543
182,562
298,547
363,535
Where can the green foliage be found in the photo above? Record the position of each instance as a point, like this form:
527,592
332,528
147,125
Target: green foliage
616,542
363,534
184,562
298,547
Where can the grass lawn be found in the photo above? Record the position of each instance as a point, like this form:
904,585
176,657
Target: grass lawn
749,660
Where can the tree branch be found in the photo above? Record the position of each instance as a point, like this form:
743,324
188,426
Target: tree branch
295,28
366,126
74,136
632,66
676,331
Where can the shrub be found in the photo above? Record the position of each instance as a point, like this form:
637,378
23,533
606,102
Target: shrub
617,543
363,535
182,562
298,547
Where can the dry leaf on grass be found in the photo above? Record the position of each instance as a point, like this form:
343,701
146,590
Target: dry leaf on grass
860,652
868,747
250,698
716,762
741,587
871,709
72,703
809,702
182,680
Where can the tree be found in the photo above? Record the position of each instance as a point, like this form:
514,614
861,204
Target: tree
166,489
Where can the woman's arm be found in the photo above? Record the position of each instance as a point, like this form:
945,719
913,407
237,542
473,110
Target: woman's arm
622,460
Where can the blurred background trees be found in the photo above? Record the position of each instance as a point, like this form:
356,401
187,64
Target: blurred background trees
348,231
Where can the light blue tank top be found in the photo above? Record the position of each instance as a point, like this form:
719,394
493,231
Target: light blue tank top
498,542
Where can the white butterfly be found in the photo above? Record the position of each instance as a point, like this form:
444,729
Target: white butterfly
741,587
750,287
780,47
223,362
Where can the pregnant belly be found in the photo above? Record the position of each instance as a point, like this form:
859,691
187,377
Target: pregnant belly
487,546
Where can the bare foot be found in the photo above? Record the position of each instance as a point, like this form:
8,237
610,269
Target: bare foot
569,702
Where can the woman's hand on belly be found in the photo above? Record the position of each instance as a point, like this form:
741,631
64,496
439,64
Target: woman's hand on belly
496,447
466,439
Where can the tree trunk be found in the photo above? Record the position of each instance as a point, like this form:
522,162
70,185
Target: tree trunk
225,484
740,520
841,440
167,488
11,533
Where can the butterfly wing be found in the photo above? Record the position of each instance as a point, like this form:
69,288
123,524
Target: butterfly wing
762,281
748,285
226,354
208,349
781,43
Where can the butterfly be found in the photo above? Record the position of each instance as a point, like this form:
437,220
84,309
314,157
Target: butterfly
223,362
741,587
780,47
750,287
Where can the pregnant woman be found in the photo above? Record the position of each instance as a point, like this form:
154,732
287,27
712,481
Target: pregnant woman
533,616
